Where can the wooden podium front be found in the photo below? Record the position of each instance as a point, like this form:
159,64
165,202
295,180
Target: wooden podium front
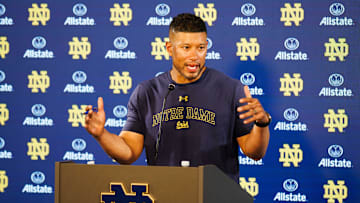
81,183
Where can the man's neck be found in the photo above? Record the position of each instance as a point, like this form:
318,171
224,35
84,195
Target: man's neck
177,77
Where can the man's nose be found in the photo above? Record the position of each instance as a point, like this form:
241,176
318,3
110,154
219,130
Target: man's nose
194,54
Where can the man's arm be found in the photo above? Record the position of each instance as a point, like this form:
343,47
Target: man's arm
255,143
125,148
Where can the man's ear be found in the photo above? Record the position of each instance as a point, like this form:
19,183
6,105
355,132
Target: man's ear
169,47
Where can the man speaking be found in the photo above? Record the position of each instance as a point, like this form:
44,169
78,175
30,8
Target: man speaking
191,114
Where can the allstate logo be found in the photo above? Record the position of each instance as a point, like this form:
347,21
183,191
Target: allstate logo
2,143
209,43
37,177
79,76
38,109
2,76
120,43
162,9
120,111
247,79
336,80
248,9
290,185
337,9
79,9
2,9
291,43
78,144
39,42
335,151
291,114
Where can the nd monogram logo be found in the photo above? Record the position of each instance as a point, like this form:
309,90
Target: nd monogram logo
208,14
139,194
290,14
38,149
4,114
247,49
37,81
118,82
76,115
335,49
159,49
332,191
294,85
119,14
37,14
293,155
251,186
79,48
4,181
332,120
4,46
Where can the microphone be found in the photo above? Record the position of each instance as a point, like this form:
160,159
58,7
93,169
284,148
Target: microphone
171,87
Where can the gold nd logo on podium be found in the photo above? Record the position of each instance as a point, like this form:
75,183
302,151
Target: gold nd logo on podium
139,193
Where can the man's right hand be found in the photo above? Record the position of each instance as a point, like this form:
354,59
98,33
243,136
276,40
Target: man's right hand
95,121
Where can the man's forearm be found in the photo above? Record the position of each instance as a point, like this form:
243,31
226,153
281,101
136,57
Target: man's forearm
116,147
257,142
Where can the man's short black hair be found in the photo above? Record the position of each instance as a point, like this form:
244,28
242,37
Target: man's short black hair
187,22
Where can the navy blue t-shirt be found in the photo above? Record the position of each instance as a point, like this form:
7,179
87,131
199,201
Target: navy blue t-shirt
200,122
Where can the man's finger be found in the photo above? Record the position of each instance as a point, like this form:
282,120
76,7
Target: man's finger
247,91
88,107
246,107
100,104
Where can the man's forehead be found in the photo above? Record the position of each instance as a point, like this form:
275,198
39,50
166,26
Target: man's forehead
188,35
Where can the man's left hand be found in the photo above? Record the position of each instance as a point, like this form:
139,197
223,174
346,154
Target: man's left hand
253,110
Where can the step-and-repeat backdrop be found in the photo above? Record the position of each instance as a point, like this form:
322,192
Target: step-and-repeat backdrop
301,59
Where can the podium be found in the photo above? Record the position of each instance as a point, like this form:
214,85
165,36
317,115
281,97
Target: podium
76,183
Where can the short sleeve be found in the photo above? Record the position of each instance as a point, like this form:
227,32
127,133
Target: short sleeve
240,128
135,120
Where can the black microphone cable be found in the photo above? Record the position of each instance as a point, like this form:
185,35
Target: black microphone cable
171,87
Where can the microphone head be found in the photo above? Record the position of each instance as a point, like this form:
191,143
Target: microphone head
171,87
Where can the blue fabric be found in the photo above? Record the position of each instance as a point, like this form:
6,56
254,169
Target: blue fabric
200,121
